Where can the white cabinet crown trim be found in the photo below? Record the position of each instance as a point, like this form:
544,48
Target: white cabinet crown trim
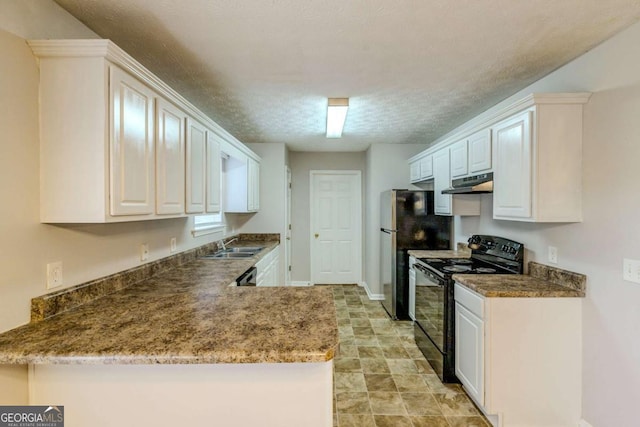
490,118
105,48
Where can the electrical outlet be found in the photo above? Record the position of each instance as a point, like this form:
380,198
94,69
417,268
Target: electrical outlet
54,274
631,270
144,252
553,254
173,244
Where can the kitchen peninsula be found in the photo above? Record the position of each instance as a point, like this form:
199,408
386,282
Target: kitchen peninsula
182,347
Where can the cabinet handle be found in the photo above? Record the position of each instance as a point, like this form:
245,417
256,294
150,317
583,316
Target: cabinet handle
317,235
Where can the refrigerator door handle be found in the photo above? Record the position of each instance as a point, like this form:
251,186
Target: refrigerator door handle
388,230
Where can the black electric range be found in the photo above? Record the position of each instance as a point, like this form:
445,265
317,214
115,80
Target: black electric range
434,298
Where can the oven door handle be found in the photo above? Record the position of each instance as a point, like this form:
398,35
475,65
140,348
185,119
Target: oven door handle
438,281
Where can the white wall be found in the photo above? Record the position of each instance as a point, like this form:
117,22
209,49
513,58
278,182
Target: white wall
386,169
609,233
271,216
301,164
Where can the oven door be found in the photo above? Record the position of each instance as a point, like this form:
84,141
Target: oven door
430,305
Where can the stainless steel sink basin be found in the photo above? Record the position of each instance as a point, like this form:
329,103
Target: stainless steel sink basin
248,249
229,255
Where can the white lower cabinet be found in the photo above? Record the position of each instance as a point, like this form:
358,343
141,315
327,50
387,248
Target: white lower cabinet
519,359
267,273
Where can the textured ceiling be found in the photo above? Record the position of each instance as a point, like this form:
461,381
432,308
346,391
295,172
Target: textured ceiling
413,69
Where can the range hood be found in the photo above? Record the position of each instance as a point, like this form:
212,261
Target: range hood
476,184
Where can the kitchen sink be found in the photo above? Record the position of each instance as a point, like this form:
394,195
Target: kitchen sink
229,255
249,249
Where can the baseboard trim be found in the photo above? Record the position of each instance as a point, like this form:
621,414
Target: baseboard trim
583,423
299,283
371,295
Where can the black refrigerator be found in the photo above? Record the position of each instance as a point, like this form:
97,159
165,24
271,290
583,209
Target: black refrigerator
407,221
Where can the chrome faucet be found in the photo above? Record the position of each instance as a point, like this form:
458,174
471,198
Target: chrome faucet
223,244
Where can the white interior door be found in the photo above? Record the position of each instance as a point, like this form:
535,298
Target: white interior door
336,227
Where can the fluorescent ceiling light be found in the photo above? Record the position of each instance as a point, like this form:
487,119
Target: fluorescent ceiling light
336,115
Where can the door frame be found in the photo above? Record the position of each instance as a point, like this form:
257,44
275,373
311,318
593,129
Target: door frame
287,226
358,224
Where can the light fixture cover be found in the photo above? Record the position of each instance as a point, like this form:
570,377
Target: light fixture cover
336,116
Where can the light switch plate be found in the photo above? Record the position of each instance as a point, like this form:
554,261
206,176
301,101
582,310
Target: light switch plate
173,245
553,254
144,252
631,270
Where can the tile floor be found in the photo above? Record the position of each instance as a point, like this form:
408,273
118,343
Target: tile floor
381,378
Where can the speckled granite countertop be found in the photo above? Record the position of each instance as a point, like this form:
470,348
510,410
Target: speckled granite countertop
462,251
542,282
185,315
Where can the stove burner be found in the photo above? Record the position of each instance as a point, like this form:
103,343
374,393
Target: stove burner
460,261
456,268
485,270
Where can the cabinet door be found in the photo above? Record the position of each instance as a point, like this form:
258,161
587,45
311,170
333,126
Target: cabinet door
426,167
512,169
213,173
469,353
196,152
458,152
170,142
131,146
441,181
253,185
414,171
480,151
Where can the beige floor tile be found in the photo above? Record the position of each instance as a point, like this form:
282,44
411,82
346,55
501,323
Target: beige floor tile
423,366
468,421
437,386
344,364
387,403
355,420
395,353
455,404
349,382
357,315
360,322
374,366
370,352
402,366
378,315
353,403
392,421
390,341
411,383
348,351
414,352
380,382
370,341
421,404
429,421
346,331
347,341
362,330
344,322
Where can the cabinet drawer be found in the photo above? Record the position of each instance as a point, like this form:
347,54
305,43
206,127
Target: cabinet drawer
470,300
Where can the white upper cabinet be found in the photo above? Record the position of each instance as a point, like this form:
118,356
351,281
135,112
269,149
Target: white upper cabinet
421,169
538,161
131,147
534,149
243,185
441,181
512,192
196,167
480,152
213,183
458,153
113,141
170,152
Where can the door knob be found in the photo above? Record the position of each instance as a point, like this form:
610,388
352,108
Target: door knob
317,235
